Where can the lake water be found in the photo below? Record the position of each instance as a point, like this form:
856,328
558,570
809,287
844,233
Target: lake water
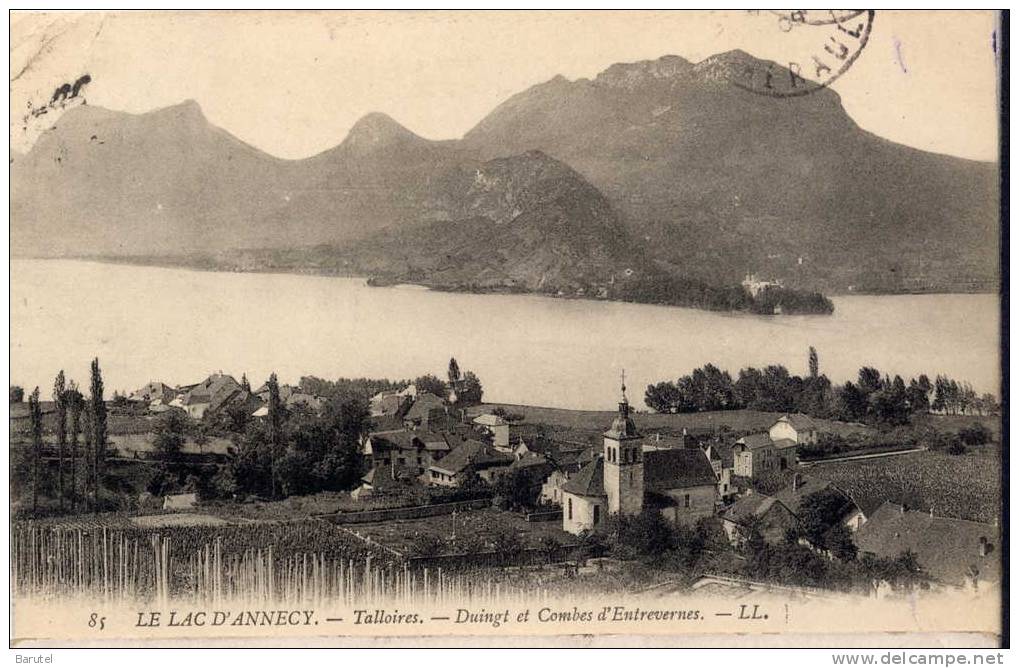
177,326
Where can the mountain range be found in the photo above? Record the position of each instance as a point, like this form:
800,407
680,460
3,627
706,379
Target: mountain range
658,167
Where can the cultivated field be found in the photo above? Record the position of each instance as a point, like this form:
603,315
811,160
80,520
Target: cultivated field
965,486
167,520
481,527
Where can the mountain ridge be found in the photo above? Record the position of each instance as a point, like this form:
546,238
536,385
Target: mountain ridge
713,180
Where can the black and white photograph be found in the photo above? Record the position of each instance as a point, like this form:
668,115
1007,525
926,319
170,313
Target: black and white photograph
456,327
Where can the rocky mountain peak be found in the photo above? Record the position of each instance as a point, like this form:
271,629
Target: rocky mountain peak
633,75
376,130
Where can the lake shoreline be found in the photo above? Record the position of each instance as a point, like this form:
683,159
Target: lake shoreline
150,323
296,271
825,308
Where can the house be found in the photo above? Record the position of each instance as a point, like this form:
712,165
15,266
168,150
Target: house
766,514
955,553
775,450
402,450
298,400
180,392
293,398
802,486
521,449
624,479
426,408
467,456
386,423
758,453
154,394
719,453
755,285
196,404
390,403
552,487
567,463
534,467
378,480
796,428
533,462
497,427
249,404
213,394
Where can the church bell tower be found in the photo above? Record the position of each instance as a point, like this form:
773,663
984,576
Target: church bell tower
623,462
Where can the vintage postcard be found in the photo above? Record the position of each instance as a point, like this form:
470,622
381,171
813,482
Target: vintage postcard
457,326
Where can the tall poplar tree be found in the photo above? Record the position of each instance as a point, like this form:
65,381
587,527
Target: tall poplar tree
97,423
59,398
35,416
454,372
275,430
74,404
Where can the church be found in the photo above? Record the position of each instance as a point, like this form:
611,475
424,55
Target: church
628,477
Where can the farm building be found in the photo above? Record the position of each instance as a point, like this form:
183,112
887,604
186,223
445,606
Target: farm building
720,456
797,428
212,394
154,394
426,408
497,427
467,456
774,450
802,486
403,449
567,463
770,516
955,553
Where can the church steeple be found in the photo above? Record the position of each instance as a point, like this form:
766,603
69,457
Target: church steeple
623,427
623,461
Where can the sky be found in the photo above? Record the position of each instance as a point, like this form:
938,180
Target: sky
293,83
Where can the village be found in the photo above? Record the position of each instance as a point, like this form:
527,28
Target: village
433,477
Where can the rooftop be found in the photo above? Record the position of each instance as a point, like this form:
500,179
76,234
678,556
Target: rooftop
750,505
472,453
948,549
755,441
676,469
589,481
424,405
792,495
799,421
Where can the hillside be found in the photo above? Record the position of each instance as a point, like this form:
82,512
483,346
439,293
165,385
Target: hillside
105,182
710,181
720,180
524,222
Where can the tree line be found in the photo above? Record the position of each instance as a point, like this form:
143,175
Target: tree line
466,385
875,397
79,420
662,288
